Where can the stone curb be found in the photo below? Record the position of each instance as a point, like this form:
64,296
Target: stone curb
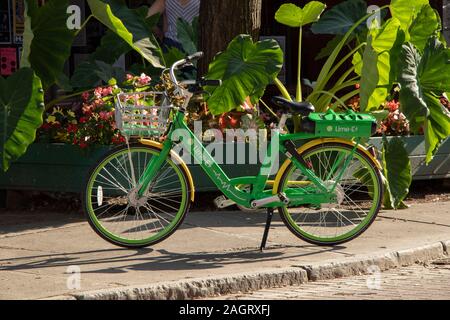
202,287
246,282
362,265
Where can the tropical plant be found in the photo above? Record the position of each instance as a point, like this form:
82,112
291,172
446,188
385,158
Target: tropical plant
325,90
423,79
47,45
245,68
392,55
21,107
397,173
293,16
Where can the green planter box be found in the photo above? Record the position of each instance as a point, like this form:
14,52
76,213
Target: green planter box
415,145
59,167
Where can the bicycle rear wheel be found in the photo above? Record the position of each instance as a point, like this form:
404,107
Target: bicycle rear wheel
118,215
359,192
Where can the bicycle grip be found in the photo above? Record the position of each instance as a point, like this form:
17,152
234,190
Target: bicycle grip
210,83
195,56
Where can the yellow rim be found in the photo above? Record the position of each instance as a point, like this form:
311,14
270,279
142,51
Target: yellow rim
177,160
314,143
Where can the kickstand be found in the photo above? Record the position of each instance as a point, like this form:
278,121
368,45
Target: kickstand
267,229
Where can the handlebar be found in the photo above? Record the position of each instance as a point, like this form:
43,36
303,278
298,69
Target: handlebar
187,61
183,62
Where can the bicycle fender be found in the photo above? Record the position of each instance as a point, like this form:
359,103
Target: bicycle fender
178,160
314,143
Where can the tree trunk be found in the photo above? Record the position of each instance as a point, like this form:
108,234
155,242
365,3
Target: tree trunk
222,20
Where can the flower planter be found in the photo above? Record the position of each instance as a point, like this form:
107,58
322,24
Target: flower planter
59,167
415,145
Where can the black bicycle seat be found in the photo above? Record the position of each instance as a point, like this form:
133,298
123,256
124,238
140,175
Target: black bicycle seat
295,108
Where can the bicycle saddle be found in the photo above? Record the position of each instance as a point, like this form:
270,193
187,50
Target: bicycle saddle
295,108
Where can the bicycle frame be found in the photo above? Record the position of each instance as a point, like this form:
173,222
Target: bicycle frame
228,186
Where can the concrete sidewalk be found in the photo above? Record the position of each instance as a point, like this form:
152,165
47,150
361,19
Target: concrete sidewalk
216,249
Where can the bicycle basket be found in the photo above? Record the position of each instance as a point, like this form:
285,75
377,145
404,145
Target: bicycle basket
143,114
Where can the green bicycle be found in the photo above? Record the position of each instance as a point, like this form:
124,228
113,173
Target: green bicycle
328,191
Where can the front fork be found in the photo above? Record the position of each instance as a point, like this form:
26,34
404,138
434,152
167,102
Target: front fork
152,168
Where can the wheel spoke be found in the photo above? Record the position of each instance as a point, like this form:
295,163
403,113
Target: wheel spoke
121,215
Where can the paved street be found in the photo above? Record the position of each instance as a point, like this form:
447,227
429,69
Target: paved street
39,251
416,282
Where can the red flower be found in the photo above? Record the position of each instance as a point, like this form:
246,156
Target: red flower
393,105
72,128
83,145
357,86
118,139
83,119
46,126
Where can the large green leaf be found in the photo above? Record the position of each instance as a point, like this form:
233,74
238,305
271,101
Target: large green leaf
411,95
47,40
379,64
90,73
426,24
370,77
423,80
341,18
98,66
437,126
111,48
21,109
406,10
293,16
130,26
188,35
245,68
397,170
434,67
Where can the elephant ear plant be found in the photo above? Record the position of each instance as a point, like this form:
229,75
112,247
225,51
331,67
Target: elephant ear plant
46,48
21,107
246,68
325,90
293,16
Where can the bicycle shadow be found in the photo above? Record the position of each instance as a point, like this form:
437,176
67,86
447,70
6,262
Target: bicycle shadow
159,260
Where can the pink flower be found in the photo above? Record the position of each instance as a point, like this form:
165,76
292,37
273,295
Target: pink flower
105,115
107,91
87,109
99,102
129,77
85,96
144,79
98,92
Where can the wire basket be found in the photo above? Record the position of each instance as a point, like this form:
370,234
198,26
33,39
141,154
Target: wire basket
143,114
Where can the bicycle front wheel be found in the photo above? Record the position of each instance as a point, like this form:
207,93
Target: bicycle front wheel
358,188
118,214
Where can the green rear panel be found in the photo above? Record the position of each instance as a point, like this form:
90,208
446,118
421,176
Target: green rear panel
343,125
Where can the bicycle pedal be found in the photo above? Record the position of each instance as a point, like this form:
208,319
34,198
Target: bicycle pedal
222,202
